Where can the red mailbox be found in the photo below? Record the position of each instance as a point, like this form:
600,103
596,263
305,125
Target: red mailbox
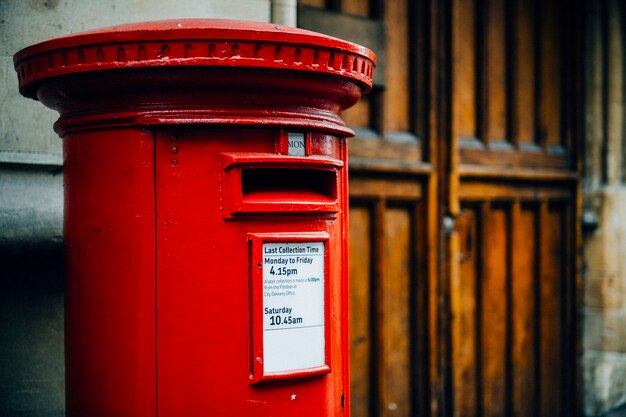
205,215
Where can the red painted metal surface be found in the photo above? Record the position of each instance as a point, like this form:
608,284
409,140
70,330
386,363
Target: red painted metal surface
177,170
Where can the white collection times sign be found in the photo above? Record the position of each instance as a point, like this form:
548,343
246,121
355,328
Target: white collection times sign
293,306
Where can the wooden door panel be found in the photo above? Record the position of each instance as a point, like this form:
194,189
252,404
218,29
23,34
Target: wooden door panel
493,304
524,303
384,282
396,97
361,302
522,72
507,307
390,122
394,319
464,317
472,123
492,84
508,84
514,171
464,86
549,95
552,252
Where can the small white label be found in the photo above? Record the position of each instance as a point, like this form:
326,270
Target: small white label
296,144
293,306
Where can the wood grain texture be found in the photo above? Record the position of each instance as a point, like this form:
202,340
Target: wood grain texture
396,117
550,310
464,68
551,76
495,100
479,191
464,314
524,280
493,311
381,187
507,302
394,322
360,311
389,306
509,80
523,120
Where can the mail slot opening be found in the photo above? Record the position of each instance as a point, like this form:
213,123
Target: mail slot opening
288,185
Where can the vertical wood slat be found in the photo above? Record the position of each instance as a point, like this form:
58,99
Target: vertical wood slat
569,308
550,86
419,68
396,102
360,311
387,313
432,36
508,79
394,320
493,318
464,68
523,122
380,211
551,226
494,80
419,347
524,247
464,310
523,256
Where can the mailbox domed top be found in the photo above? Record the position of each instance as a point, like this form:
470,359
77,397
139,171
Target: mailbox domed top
193,43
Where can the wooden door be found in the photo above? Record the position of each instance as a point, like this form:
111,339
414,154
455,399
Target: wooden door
513,181
464,205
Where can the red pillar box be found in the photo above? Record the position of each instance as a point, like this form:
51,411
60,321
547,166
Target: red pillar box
205,215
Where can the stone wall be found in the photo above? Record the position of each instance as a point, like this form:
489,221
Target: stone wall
604,342
604,220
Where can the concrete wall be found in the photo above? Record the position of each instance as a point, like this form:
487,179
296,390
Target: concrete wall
31,194
24,124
